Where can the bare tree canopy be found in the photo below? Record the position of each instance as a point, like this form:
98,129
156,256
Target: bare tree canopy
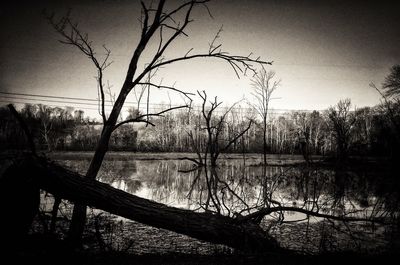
264,85
342,121
391,85
160,26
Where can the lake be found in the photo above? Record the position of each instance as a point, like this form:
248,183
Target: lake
239,185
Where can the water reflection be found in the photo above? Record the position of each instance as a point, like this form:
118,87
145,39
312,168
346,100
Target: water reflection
237,188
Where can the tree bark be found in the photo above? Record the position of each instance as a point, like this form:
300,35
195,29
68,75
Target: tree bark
213,228
79,213
265,139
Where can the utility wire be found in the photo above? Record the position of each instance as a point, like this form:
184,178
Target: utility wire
152,110
39,96
50,105
58,97
55,101
73,98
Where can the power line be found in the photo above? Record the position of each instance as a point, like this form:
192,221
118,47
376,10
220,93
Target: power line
69,104
16,100
58,97
51,105
74,98
153,109
38,96
55,101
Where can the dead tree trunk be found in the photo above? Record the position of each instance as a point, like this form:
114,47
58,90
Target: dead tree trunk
213,228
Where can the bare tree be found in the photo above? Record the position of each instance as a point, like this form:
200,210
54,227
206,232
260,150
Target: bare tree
218,138
390,93
158,25
391,85
303,125
264,85
214,126
341,122
44,113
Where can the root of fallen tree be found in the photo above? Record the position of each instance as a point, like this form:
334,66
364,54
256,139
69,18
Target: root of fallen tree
41,174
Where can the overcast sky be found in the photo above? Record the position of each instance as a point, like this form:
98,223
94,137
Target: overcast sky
323,51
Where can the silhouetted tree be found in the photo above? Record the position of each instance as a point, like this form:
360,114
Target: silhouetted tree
163,27
390,93
264,85
341,122
214,127
391,85
304,130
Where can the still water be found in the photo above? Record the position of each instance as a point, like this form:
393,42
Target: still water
166,181
239,187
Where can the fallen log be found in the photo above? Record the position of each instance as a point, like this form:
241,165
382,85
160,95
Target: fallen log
209,227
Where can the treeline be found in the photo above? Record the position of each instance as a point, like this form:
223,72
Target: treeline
340,130
55,128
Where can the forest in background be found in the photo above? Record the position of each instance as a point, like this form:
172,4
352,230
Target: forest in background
362,131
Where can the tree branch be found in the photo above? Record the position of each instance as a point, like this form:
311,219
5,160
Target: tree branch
234,139
237,62
77,39
141,117
266,211
186,94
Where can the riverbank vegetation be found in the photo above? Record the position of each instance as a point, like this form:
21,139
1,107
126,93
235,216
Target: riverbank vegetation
367,131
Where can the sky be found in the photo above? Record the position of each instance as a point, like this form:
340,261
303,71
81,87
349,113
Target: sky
322,51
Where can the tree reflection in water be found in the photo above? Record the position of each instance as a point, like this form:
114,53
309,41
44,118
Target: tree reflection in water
236,189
